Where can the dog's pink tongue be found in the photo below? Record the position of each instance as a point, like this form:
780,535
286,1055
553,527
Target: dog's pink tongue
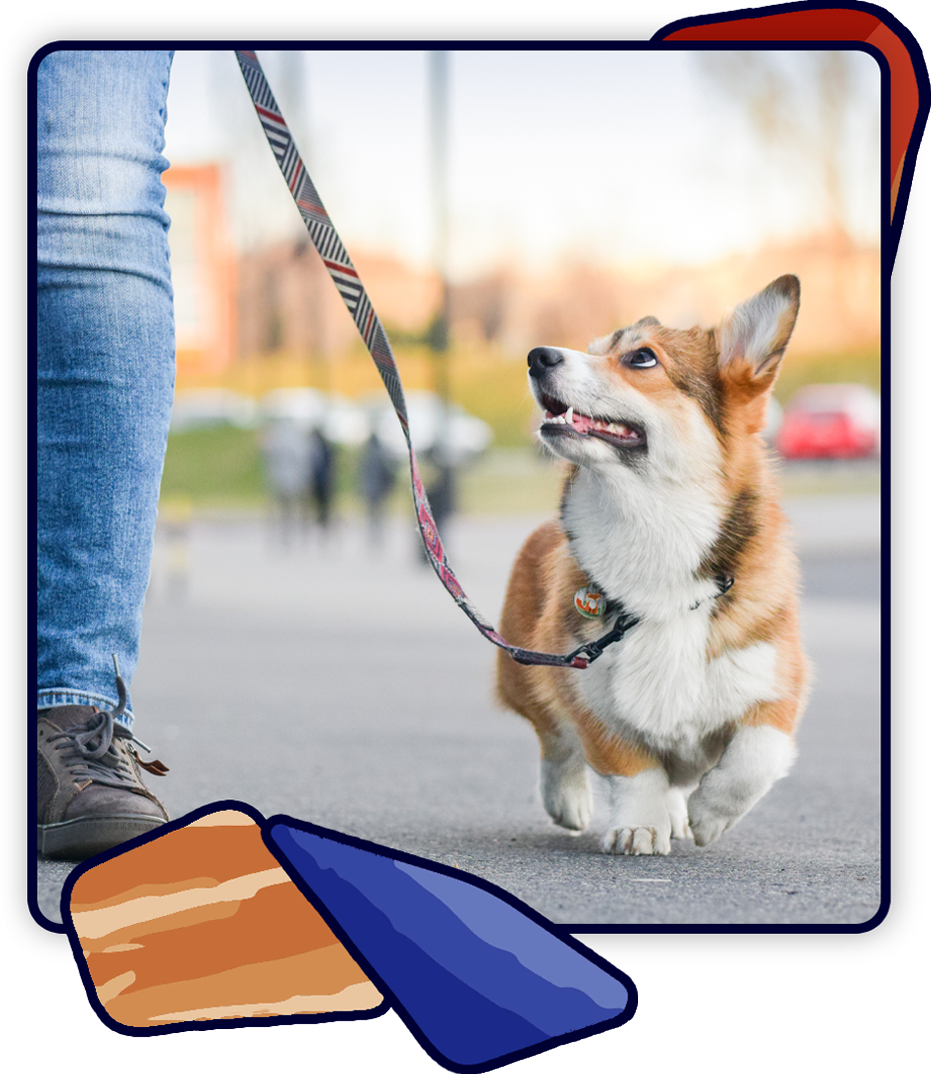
582,423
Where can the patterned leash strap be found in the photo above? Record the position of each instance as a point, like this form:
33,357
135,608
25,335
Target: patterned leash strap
347,281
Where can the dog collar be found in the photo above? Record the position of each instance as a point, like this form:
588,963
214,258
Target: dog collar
591,603
590,597
725,581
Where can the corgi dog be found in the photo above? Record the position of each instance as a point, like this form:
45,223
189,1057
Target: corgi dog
670,517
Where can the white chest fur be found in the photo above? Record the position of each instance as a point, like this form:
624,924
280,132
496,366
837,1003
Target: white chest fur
642,542
643,545
659,682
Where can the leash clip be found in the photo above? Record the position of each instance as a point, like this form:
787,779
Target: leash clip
589,652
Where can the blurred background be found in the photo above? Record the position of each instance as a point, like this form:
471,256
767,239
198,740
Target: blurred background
492,201
297,655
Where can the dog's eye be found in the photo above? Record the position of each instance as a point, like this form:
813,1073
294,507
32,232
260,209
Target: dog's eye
642,359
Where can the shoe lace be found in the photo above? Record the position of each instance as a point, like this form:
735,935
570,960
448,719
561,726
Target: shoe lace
90,750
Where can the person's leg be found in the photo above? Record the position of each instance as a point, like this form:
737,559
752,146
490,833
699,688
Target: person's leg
105,366
105,362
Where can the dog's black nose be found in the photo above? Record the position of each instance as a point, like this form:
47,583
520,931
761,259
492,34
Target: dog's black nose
540,359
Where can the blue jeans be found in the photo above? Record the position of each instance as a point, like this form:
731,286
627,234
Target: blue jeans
105,362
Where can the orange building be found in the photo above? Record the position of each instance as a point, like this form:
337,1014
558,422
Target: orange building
202,269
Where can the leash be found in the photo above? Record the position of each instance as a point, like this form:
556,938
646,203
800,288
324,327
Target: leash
340,267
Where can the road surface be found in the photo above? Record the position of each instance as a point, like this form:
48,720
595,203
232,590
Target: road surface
344,687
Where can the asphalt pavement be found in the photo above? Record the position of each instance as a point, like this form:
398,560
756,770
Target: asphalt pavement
338,683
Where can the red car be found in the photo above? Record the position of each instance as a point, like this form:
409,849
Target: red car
830,421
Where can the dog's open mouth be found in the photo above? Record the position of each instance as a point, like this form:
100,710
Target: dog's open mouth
561,419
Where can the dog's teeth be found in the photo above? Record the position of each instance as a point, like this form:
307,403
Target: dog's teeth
568,416
614,429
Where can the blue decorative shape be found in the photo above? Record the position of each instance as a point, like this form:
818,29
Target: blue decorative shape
479,978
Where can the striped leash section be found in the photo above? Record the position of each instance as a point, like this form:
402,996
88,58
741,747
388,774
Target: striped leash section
347,281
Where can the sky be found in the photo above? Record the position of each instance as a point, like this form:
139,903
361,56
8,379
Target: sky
621,156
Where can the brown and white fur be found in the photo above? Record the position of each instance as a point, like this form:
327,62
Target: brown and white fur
690,717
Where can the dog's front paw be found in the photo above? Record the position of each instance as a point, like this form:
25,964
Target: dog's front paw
639,821
636,841
754,759
714,807
707,821
566,793
678,810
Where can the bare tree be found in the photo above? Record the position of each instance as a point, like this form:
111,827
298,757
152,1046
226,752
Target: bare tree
802,109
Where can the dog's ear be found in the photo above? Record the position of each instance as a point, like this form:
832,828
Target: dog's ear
753,339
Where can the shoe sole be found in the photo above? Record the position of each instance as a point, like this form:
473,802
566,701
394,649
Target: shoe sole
76,840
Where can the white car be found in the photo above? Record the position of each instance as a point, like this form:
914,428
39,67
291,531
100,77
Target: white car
445,431
199,408
340,420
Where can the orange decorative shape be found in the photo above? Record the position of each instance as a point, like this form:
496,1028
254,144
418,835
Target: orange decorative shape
203,924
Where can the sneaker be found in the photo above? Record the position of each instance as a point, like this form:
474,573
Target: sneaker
90,789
